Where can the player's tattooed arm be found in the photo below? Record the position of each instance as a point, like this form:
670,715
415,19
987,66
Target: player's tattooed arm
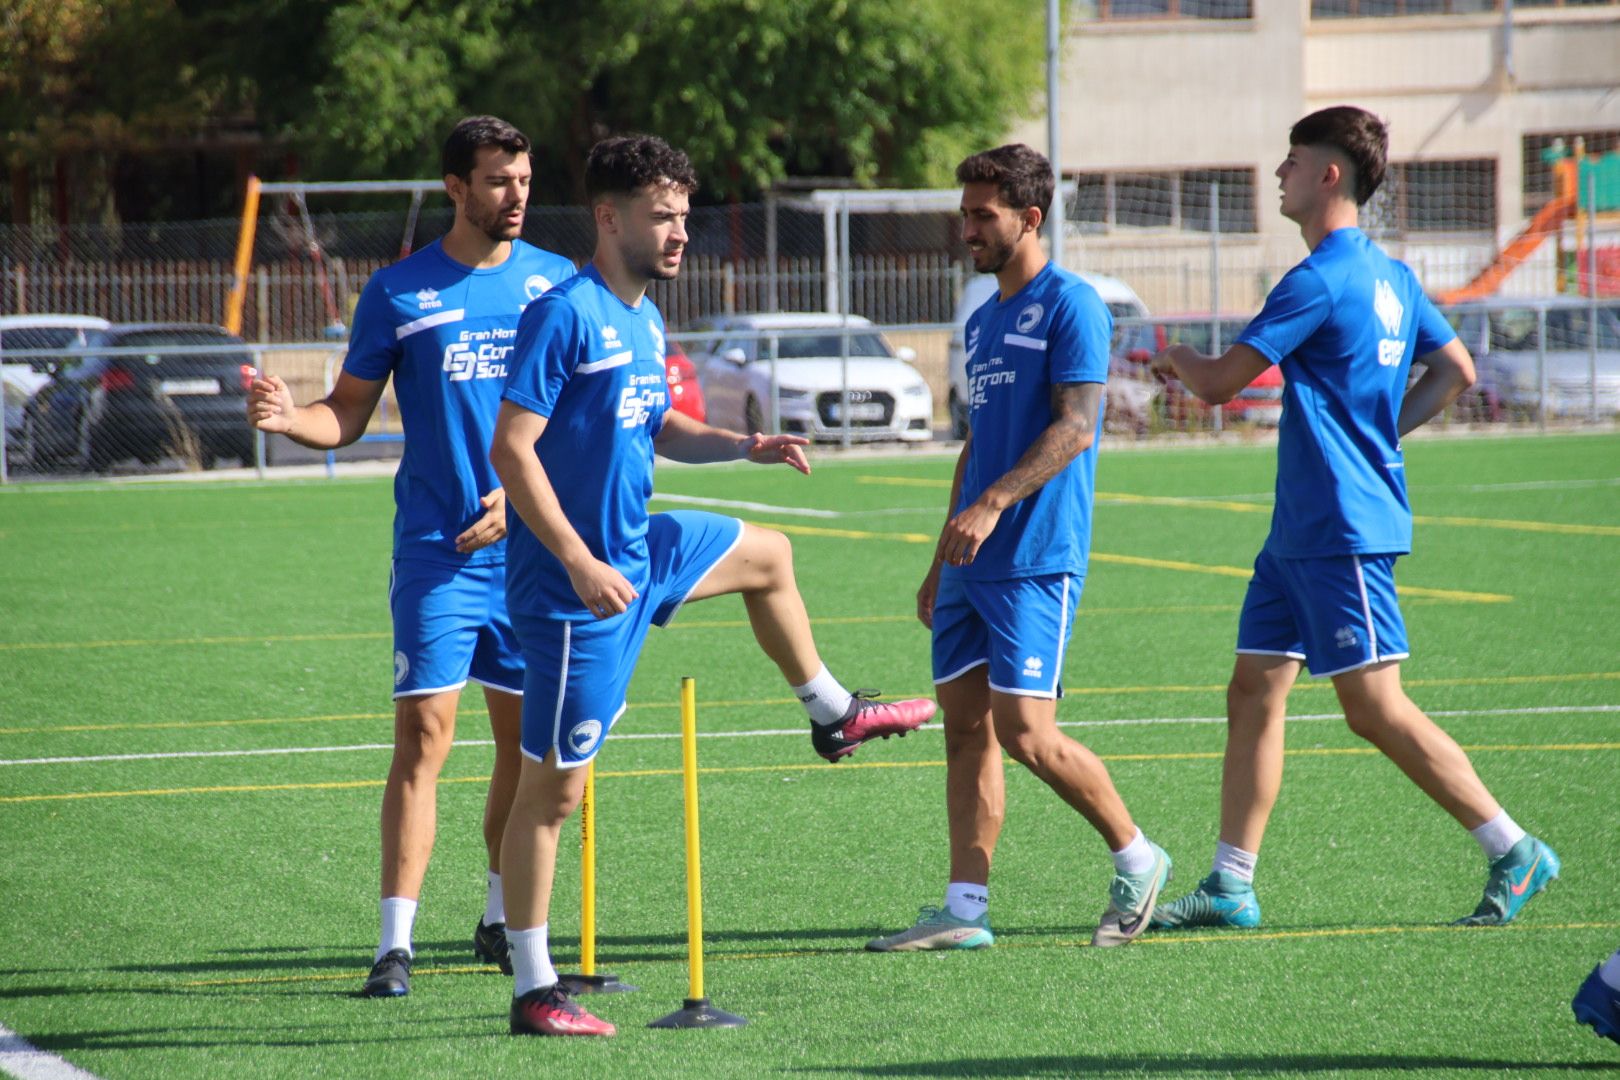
1075,408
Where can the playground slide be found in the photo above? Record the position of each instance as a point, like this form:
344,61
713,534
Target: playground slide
1546,222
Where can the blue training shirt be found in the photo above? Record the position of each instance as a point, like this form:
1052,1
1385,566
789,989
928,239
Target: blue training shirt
594,367
1344,325
1055,329
445,332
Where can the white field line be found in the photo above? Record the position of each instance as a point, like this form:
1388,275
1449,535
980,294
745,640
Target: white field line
1540,710
743,504
20,1058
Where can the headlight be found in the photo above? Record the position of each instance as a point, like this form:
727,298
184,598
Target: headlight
788,393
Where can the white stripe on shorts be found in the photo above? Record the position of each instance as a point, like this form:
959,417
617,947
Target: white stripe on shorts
1366,609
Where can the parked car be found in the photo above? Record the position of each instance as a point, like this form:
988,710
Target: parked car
802,352
1130,391
685,389
1506,344
22,378
104,409
1260,403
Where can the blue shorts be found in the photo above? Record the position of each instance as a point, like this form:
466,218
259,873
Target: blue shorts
450,624
577,672
1020,627
1336,613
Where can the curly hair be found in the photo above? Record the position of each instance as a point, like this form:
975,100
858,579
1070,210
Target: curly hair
1023,176
473,133
1357,134
626,164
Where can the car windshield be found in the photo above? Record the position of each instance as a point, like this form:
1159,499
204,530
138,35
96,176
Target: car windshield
799,345
1567,328
41,337
232,352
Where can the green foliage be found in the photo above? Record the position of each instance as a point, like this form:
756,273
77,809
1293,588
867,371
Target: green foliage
878,90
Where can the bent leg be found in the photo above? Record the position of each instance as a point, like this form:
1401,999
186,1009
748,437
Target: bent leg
1027,729
1251,773
760,567
424,727
1378,710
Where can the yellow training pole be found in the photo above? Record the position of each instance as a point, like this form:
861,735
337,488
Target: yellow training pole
696,1010
588,981
694,871
587,874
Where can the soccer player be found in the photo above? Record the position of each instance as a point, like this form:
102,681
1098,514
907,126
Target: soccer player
585,410
1345,325
442,322
1001,593
1597,1002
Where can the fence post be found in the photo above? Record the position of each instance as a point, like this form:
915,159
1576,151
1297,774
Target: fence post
1218,413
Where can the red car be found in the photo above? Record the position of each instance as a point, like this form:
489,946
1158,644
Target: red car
684,392
1259,403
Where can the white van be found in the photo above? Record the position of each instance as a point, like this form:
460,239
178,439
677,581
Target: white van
1122,302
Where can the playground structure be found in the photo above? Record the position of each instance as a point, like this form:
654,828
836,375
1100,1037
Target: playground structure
1586,191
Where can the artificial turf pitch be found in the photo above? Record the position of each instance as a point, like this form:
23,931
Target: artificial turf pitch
213,911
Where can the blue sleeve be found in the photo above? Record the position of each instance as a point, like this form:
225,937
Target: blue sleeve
1295,309
1430,330
374,348
547,349
1078,342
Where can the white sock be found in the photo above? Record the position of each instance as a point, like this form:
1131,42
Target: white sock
1610,971
531,960
824,698
398,919
494,902
1497,836
1135,857
966,899
1234,861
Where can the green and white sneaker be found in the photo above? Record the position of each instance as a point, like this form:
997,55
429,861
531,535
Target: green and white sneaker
1131,900
1222,899
937,928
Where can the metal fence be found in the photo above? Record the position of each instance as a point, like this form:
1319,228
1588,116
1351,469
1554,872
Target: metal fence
120,403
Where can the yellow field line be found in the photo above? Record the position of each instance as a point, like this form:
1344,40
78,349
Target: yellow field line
235,639
751,703
1229,937
730,770
1507,524
1457,595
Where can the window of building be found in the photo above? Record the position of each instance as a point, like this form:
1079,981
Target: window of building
1380,9
1538,172
1090,10
1164,200
1437,196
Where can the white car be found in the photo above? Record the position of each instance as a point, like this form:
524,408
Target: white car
1133,340
22,378
1507,353
741,357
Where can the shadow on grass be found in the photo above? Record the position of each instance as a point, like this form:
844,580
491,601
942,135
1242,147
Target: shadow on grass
322,1036
1185,1064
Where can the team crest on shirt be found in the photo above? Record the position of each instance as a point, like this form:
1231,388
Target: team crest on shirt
584,735
1029,318
1345,637
428,299
536,284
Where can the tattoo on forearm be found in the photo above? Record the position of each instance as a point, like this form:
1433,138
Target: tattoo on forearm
1074,419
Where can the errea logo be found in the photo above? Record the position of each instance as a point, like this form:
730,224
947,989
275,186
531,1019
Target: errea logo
610,337
428,299
1345,637
1389,310
972,344
1033,667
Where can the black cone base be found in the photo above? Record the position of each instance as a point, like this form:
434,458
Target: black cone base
698,1013
595,984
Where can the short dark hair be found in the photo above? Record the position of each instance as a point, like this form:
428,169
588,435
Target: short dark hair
625,164
1022,176
1357,134
473,133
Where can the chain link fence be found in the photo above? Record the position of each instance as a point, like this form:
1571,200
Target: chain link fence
1186,252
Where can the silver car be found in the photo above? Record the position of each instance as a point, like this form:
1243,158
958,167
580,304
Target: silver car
1508,352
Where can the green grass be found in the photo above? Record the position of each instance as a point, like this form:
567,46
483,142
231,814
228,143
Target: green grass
185,917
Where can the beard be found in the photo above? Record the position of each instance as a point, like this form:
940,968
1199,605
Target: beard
992,257
492,223
650,265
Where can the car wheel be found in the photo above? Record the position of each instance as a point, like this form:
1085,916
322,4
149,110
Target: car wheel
753,415
959,416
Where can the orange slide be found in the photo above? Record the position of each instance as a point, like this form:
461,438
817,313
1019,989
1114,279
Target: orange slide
1546,222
